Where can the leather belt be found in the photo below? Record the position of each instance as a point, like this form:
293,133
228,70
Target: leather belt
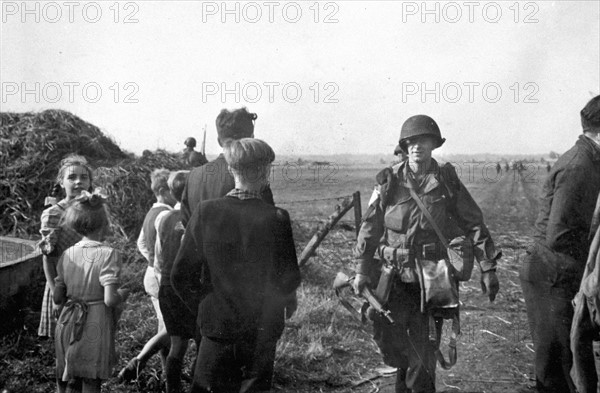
404,258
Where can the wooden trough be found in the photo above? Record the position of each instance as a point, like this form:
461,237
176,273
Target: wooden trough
20,268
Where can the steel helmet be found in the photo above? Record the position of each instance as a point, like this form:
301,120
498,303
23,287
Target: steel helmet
190,142
420,125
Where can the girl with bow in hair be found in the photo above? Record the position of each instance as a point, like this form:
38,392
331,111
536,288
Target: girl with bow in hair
86,290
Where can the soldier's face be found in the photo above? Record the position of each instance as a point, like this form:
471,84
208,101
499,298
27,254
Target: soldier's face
420,148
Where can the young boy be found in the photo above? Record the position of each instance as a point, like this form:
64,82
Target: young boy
180,323
146,244
240,252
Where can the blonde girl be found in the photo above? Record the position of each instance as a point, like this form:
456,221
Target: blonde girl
86,289
74,176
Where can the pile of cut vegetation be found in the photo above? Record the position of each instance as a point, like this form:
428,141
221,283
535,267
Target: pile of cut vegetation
32,146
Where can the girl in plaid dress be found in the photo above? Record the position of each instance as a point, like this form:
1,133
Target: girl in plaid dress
74,176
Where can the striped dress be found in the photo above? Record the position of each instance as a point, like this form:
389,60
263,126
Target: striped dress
55,239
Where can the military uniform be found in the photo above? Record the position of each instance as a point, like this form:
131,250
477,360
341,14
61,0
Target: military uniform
396,223
195,159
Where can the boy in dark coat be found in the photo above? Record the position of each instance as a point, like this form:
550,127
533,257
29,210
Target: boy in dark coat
237,266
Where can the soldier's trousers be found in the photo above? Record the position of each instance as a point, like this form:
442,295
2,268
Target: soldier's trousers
405,344
550,313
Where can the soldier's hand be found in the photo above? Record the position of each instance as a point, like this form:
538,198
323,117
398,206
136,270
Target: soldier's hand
490,284
360,280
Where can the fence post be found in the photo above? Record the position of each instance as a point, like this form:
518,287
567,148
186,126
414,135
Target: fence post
323,231
357,211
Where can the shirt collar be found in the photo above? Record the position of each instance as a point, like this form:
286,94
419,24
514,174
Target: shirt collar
429,181
159,204
592,146
244,194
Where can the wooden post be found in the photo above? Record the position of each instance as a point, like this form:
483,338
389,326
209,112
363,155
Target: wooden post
324,230
357,211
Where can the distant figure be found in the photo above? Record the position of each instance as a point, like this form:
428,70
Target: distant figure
553,267
398,152
498,169
190,156
548,167
506,167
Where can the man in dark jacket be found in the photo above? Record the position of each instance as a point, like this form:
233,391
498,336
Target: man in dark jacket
213,180
554,264
239,251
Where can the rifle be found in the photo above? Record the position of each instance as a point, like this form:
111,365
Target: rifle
342,281
204,142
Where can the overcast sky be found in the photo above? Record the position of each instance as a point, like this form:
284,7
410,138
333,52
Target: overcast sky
326,77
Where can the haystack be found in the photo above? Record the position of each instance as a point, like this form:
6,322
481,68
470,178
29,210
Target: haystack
32,146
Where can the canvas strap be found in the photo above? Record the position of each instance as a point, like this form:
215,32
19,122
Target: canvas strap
452,353
423,208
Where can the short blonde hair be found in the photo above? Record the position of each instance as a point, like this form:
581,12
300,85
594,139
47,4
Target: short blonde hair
177,183
249,157
159,179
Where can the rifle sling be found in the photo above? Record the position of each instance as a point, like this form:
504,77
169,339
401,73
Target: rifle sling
436,228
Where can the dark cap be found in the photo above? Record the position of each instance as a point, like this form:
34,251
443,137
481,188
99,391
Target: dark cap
237,124
590,114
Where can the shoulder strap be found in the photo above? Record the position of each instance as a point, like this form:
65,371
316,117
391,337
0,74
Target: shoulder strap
436,228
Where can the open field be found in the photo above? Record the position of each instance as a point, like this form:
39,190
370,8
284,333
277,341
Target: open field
323,348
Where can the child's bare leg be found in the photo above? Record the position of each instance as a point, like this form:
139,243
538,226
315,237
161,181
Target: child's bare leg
159,341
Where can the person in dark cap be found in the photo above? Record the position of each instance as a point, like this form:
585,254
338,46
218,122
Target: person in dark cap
553,266
213,180
192,157
397,234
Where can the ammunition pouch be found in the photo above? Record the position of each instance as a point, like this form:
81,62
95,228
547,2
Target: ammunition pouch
401,259
439,287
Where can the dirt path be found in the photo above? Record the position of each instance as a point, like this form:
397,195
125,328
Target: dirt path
495,349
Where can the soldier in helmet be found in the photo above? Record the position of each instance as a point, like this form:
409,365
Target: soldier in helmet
396,231
191,156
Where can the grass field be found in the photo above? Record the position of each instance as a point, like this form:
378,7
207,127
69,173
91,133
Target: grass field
323,348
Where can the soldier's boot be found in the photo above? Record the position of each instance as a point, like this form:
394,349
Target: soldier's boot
173,375
401,381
